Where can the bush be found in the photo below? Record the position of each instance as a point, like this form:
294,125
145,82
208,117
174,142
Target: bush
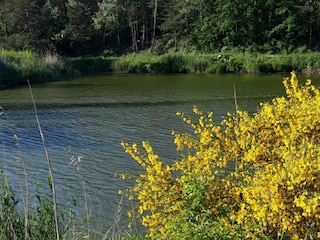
252,177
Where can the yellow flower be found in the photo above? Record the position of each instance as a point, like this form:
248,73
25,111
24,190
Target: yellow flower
257,173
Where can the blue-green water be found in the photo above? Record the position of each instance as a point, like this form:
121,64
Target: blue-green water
88,117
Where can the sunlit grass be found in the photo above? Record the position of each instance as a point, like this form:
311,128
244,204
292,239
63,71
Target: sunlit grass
18,66
227,61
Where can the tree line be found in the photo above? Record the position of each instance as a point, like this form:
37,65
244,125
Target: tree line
80,27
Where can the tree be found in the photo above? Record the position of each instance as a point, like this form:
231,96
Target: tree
155,5
233,22
293,22
76,27
308,20
203,32
174,22
54,20
136,18
79,31
106,18
3,27
21,20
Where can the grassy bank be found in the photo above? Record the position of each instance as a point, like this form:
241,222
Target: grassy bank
221,62
17,67
229,61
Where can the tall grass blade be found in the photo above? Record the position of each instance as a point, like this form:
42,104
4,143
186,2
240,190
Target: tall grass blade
237,119
235,98
115,230
25,191
49,164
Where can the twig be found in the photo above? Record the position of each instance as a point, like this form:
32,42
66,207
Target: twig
49,164
237,118
235,98
86,209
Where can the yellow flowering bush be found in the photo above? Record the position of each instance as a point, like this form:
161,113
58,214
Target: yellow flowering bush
251,176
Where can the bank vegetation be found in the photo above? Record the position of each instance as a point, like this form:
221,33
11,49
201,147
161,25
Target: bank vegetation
18,66
47,40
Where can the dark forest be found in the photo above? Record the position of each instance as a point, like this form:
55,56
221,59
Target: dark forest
113,27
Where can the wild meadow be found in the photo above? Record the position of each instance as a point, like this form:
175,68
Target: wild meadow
252,176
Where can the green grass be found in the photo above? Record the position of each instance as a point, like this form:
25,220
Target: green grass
18,66
228,61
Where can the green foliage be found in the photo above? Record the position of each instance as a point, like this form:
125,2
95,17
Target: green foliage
40,221
196,220
16,67
84,27
80,24
106,18
226,61
11,223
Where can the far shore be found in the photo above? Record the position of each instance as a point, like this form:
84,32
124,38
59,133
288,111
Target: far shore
17,67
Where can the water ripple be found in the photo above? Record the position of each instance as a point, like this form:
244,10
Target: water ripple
90,118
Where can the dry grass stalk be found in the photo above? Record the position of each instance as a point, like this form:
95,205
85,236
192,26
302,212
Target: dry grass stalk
24,192
115,230
49,164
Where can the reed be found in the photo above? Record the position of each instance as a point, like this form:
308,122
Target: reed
225,61
43,220
52,183
17,66
16,221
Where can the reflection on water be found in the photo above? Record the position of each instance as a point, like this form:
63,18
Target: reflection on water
88,117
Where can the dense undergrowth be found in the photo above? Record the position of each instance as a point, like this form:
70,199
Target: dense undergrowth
248,177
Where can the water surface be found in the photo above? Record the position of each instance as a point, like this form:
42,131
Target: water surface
88,117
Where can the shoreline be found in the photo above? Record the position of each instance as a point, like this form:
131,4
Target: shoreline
18,66
180,62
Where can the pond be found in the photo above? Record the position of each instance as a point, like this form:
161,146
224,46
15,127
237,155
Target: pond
87,118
